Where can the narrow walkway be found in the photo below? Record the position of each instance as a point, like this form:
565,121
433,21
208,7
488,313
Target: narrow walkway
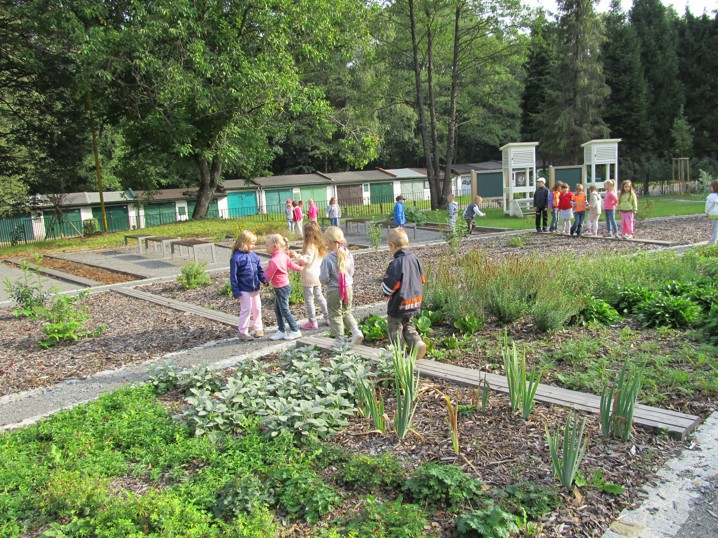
678,425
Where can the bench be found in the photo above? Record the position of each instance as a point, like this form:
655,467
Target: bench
160,240
362,225
192,245
139,237
521,207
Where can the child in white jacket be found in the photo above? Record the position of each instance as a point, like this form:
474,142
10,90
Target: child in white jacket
594,210
712,211
311,257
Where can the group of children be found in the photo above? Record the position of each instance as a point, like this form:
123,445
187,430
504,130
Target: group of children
294,213
324,260
569,209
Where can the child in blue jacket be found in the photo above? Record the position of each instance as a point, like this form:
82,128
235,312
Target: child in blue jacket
399,217
245,276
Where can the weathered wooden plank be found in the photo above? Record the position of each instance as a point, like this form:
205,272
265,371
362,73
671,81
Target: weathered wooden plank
214,315
675,423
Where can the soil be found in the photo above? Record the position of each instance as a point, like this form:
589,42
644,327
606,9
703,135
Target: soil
98,274
497,446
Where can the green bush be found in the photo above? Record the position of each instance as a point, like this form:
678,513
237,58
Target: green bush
530,498
553,310
373,327
710,326
443,486
391,519
373,233
28,293
596,311
194,275
507,302
242,494
489,522
90,226
296,296
667,311
303,493
415,215
630,296
371,474
65,321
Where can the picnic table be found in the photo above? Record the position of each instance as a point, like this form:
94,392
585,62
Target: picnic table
192,245
160,240
139,238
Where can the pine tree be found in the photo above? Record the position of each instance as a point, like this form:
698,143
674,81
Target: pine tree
657,37
626,111
538,74
578,91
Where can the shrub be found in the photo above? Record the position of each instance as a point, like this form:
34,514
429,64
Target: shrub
193,275
226,290
630,296
489,522
443,486
371,474
596,311
303,493
242,494
553,310
90,226
64,320
508,299
710,326
296,296
388,518
373,233
414,215
667,311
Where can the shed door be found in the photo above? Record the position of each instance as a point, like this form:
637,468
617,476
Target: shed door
276,199
117,217
413,190
212,212
318,194
242,203
350,195
71,223
156,214
381,193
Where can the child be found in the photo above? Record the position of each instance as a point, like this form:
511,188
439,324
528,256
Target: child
245,276
399,216
404,286
610,201
336,271
594,210
565,211
277,275
312,211
299,218
471,212
541,205
712,211
289,214
579,210
628,206
313,251
453,212
334,212
553,199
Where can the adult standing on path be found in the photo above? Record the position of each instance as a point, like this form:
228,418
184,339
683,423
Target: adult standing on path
399,216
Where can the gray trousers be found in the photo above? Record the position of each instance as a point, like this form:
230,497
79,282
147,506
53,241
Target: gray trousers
402,330
312,294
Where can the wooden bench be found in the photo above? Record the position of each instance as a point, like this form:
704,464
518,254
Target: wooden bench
678,425
522,207
192,245
362,225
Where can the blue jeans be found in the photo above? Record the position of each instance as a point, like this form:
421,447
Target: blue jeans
554,219
334,222
281,308
611,225
578,223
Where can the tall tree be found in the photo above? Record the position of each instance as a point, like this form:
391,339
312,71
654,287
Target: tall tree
577,93
626,112
463,54
698,65
211,83
657,38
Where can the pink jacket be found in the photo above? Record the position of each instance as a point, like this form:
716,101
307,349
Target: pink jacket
313,212
610,200
276,271
298,215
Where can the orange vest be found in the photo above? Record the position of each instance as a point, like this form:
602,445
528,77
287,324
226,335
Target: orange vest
556,197
579,201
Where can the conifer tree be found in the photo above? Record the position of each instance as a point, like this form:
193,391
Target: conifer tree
578,91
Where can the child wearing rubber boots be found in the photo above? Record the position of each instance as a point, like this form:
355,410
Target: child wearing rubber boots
404,286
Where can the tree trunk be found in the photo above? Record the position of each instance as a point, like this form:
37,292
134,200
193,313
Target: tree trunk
445,189
209,173
420,100
434,164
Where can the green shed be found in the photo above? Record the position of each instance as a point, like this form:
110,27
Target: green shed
241,203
